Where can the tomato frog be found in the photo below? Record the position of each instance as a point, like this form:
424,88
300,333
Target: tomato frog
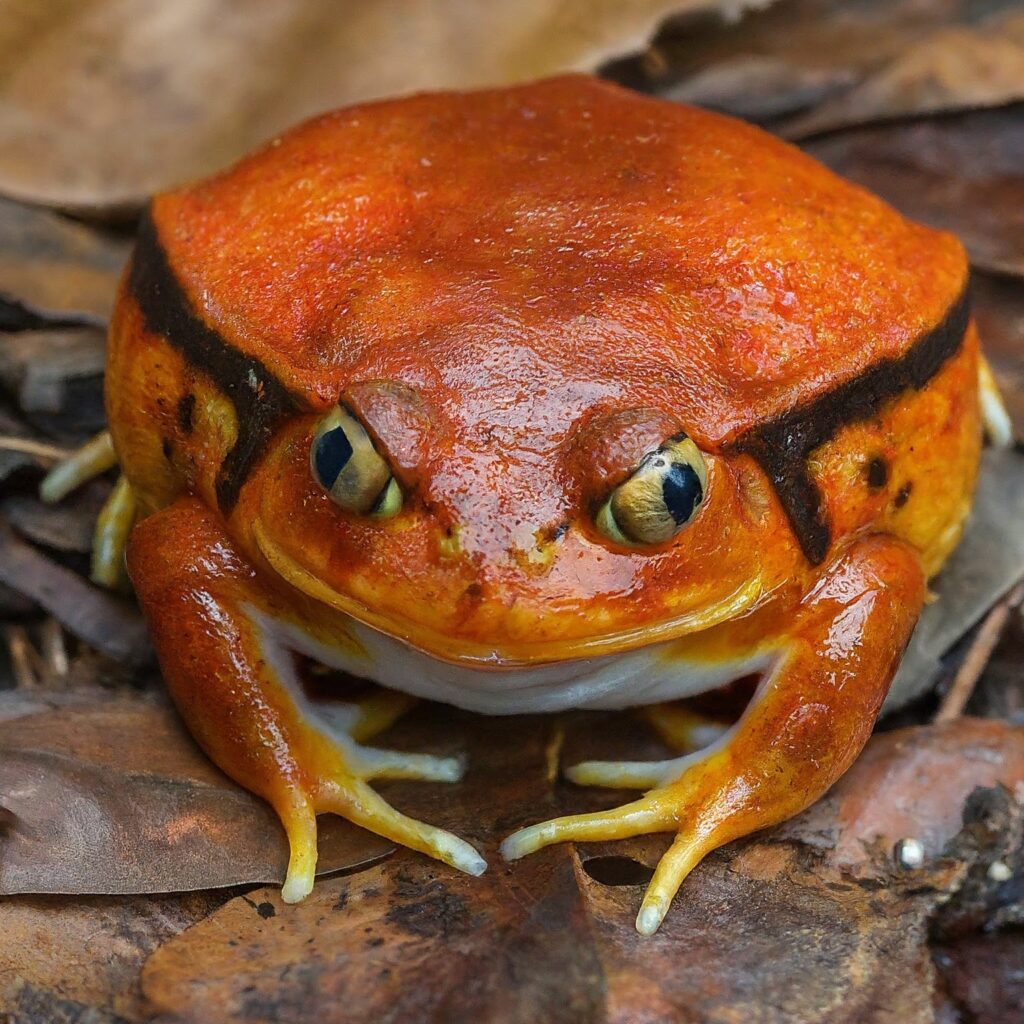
527,399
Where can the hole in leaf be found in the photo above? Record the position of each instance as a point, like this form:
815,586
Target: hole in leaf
618,871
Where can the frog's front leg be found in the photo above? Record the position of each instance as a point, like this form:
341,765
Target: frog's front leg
231,671
805,725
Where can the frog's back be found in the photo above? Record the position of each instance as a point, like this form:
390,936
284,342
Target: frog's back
627,246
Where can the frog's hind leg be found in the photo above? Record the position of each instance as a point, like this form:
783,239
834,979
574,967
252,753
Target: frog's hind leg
809,719
227,654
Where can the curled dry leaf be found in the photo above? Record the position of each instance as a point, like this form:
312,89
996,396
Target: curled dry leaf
53,269
777,929
962,172
104,103
65,527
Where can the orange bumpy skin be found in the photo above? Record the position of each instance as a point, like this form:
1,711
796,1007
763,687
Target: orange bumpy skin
517,295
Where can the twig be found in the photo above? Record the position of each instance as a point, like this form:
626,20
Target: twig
978,655
23,657
40,449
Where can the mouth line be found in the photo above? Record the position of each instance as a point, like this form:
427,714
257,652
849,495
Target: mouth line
509,656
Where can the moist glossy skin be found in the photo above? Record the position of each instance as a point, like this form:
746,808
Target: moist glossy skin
520,293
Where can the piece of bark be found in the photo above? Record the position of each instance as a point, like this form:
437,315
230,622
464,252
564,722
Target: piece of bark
53,269
961,172
780,929
107,794
104,103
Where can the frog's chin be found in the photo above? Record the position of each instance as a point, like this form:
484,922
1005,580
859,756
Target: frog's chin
506,655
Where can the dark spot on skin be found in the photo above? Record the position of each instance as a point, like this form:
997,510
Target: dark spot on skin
878,473
186,407
783,446
681,491
342,901
377,940
903,494
167,448
474,591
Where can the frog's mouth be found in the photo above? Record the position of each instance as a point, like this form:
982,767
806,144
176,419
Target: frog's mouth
506,655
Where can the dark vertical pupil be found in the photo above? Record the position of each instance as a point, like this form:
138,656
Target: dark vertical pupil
681,491
332,452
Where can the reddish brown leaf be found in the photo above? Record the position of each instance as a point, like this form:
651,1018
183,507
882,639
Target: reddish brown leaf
72,961
106,794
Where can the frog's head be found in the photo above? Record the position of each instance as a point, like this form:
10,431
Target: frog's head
496,509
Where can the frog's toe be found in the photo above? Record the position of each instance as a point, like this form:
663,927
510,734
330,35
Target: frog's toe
354,800
396,764
633,819
625,774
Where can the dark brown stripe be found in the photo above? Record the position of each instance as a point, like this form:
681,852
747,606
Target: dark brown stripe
783,445
261,401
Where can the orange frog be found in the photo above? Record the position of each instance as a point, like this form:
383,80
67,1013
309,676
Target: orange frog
545,397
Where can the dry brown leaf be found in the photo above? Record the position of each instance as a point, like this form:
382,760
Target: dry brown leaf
954,69
795,54
776,930
962,172
54,269
56,377
106,622
104,103
106,794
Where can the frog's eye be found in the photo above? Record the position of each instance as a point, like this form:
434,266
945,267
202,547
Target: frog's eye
664,493
347,466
